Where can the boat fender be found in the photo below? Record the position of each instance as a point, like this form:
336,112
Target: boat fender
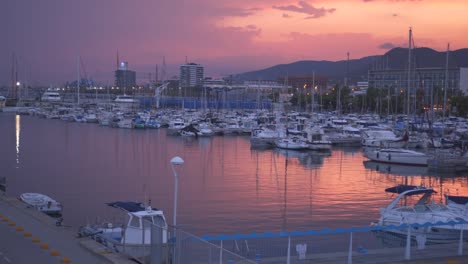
378,154
49,203
389,156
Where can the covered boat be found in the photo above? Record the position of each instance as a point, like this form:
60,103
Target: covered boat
42,203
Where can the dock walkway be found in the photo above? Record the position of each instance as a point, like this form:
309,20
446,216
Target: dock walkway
29,236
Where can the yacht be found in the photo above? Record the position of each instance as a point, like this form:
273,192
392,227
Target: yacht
397,156
414,206
42,203
125,102
383,139
50,96
134,237
264,137
293,143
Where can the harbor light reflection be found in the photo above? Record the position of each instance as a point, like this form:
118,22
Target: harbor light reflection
18,130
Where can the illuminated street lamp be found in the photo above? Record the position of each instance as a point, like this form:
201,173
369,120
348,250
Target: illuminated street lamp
174,162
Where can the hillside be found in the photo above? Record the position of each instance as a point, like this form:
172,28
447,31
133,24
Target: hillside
396,58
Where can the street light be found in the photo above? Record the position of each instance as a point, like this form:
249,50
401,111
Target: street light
175,161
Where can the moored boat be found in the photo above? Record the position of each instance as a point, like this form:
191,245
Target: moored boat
414,206
397,156
42,203
134,237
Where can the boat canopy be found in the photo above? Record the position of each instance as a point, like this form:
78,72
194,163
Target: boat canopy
458,199
130,206
403,188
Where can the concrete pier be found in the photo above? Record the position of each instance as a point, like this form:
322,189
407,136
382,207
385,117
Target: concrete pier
29,236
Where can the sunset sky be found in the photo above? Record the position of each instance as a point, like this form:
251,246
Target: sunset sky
227,37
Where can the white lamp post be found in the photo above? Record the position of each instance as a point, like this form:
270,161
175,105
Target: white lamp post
175,161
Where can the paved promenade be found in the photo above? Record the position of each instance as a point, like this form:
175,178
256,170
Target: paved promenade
28,236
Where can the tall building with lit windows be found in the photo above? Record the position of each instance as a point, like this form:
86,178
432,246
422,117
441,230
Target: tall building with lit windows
124,78
191,75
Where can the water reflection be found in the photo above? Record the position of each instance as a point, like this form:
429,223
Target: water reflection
403,170
225,186
17,132
309,159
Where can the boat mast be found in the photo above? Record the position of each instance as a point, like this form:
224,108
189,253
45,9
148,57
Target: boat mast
312,91
409,73
446,80
78,81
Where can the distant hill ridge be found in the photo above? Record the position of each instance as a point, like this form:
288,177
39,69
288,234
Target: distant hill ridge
396,58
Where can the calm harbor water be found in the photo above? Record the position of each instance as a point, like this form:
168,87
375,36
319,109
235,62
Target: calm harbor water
224,186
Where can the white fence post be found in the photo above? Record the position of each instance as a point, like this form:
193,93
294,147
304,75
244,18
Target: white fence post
408,244
460,243
221,253
288,258
350,251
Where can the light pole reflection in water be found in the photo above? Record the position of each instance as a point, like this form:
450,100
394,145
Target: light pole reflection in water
17,130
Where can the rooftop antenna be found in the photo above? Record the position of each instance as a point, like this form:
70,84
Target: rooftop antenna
186,60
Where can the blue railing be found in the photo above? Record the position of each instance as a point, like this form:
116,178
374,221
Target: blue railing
327,231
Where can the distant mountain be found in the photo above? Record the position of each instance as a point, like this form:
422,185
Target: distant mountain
396,58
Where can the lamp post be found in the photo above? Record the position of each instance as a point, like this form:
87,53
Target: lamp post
174,162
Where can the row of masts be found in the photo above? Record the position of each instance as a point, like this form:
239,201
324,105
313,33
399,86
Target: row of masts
408,100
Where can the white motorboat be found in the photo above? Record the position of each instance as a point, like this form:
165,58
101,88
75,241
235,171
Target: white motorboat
50,96
125,99
397,156
413,206
42,203
125,102
134,237
383,139
293,143
264,137
347,135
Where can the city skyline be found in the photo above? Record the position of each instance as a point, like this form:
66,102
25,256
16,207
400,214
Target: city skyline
225,37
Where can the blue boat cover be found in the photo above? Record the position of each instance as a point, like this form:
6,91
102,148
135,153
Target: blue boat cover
129,206
458,199
403,188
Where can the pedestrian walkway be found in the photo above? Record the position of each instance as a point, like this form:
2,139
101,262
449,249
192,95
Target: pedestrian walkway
29,236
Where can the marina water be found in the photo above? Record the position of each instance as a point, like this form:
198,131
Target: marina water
225,187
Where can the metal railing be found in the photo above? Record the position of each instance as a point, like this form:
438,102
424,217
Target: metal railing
343,245
340,245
